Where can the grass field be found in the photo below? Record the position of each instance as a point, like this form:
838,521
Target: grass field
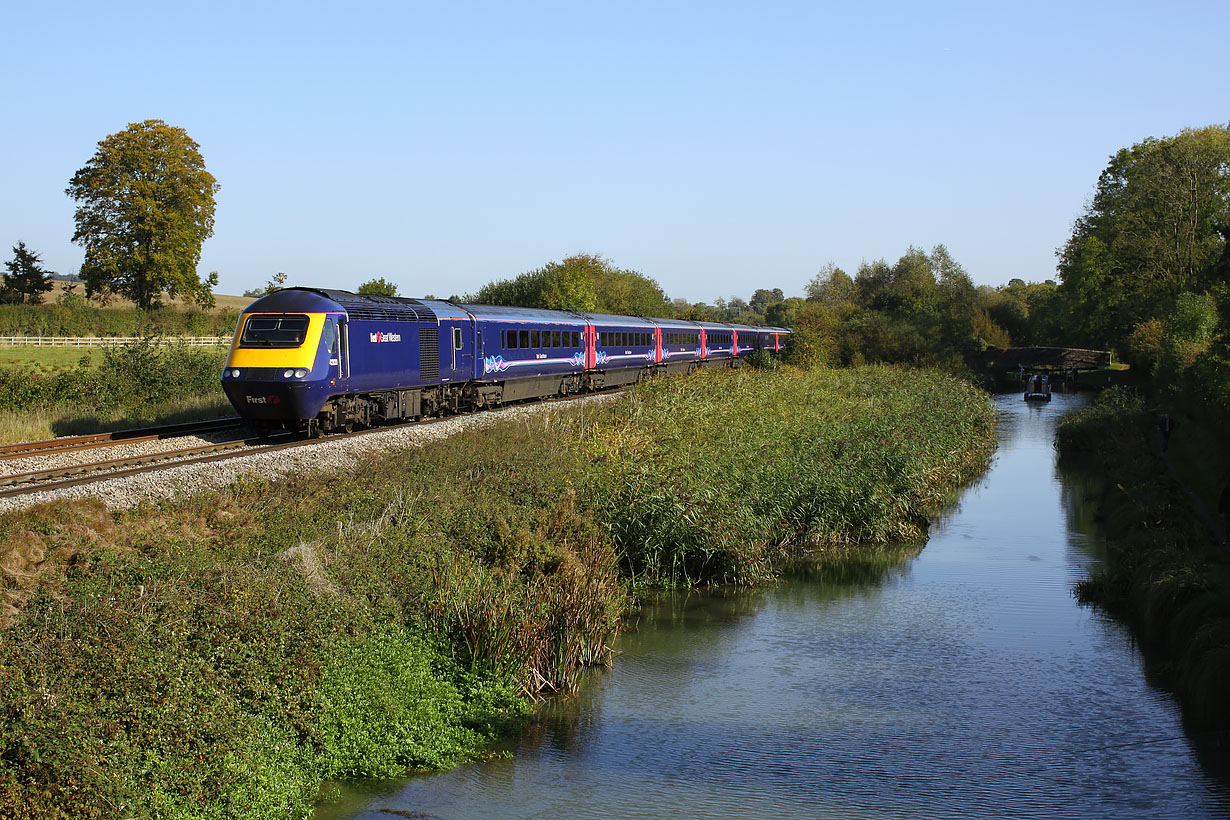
49,359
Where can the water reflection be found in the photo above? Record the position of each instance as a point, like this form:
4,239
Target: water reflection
965,682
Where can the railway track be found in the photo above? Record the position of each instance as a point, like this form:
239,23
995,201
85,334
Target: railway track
85,473
69,444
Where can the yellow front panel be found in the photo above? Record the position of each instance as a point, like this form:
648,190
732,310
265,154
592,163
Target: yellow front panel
303,356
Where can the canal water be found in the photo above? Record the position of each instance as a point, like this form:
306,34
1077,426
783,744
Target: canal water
965,682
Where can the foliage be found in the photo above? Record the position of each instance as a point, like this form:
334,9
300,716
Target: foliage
699,491
276,282
131,378
1163,572
584,282
145,206
1151,232
378,287
922,310
1116,422
26,279
71,315
218,657
1187,334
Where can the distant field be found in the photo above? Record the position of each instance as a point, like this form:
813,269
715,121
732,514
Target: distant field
222,301
47,359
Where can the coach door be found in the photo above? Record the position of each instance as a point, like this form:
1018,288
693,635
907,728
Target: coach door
461,352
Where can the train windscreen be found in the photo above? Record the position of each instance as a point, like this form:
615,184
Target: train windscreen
274,331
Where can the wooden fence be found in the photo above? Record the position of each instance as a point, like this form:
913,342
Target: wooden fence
108,341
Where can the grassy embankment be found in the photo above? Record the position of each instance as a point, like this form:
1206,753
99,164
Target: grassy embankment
223,655
1165,573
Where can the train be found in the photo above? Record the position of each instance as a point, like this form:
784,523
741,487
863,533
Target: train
324,361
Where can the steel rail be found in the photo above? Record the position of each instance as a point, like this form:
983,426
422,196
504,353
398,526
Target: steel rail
105,471
72,443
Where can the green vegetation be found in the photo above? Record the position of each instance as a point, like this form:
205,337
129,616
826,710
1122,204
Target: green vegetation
377,287
26,277
45,360
219,657
584,282
1145,273
1153,230
923,310
145,206
1164,573
723,491
111,388
72,315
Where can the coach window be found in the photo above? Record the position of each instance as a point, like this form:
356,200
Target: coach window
535,339
512,340
555,338
525,338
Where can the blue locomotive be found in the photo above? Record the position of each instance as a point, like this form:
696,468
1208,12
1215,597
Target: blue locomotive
328,360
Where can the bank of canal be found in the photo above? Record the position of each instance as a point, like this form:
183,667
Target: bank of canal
965,683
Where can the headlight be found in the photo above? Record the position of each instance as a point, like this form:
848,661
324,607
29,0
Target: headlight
288,374
299,374
234,374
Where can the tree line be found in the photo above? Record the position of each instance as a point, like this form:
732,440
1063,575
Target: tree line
1144,272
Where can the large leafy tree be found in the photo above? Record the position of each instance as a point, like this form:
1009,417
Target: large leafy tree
145,206
583,282
26,276
1151,232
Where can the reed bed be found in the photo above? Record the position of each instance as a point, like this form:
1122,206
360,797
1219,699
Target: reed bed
223,655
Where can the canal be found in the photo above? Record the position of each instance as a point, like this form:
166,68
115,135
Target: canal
964,682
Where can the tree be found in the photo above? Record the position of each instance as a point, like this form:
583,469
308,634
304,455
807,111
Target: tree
584,282
1150,233
378,287
26,276
831,285
145,206
763,297
276,282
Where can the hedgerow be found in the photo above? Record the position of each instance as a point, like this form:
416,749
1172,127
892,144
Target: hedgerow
130,378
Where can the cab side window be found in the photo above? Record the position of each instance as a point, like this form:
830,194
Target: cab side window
329,337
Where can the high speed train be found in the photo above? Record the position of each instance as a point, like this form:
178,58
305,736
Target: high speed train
328,360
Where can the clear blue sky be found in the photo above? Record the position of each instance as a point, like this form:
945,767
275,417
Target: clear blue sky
717,147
